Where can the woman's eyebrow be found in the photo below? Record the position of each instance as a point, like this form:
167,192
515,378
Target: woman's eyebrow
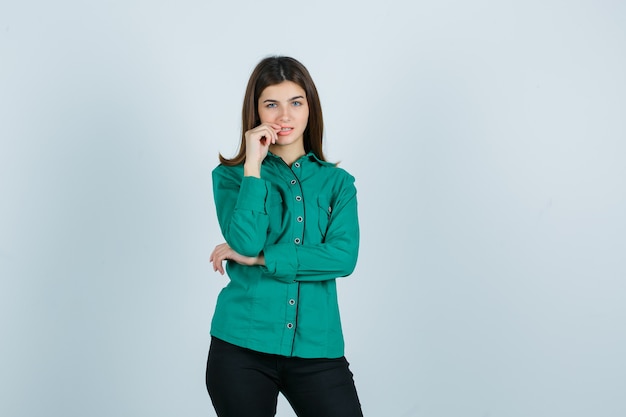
270,100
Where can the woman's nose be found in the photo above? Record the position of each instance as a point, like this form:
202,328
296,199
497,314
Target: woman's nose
285,116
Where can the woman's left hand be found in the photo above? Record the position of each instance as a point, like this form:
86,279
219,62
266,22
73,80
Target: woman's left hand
224,252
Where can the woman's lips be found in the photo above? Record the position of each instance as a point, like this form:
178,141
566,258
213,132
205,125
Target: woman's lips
285,131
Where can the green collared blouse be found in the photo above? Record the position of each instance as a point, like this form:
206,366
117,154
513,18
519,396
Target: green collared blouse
304,220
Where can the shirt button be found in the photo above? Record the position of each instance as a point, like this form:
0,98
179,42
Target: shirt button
289,325
297,241
300,219
297,164
293,182
292,302
298,198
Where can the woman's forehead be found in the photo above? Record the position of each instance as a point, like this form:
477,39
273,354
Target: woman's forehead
283,91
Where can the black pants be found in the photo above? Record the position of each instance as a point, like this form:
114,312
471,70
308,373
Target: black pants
246,383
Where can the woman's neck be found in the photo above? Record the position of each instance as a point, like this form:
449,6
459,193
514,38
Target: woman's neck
288,154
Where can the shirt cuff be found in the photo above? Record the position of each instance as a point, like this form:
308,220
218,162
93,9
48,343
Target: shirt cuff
253,194
281,261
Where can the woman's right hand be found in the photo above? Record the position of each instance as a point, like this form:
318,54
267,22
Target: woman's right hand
258,141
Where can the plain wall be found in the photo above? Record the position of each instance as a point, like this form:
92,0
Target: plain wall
488,142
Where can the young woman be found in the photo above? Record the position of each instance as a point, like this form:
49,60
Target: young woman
290,223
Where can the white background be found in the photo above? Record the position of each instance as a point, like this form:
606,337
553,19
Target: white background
488,143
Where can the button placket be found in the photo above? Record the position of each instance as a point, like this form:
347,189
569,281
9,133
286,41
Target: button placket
297,211
292,309
298,230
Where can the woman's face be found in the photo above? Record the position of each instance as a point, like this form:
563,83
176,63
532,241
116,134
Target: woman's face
285,105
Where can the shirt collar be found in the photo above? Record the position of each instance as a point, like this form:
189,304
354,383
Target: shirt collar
314,157
311,156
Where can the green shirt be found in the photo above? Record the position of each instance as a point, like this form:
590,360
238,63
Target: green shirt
304,220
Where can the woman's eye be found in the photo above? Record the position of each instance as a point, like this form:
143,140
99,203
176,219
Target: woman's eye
297,103
271,105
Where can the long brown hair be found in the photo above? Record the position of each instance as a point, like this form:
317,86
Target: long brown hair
271,71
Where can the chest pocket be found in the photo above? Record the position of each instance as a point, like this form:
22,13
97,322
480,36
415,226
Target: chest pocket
275,213
324,212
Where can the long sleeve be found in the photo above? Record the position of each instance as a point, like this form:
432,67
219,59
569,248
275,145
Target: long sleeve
334,257
241,209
